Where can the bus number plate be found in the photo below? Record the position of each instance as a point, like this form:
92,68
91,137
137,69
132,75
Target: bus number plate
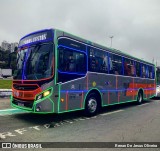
20,104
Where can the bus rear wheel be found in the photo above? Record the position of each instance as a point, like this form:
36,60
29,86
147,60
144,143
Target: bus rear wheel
91,105
139,97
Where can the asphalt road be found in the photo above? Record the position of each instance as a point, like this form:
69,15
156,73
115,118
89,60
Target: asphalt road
4,103
120,123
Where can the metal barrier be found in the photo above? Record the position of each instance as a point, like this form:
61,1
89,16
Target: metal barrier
5,92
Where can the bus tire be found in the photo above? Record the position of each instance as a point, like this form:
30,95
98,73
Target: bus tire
91,105
140,97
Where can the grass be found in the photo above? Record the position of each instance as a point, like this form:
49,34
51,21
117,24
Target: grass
5,84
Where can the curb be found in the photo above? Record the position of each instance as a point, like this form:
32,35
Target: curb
5,92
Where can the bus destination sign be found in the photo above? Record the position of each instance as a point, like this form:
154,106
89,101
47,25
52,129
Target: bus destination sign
37,37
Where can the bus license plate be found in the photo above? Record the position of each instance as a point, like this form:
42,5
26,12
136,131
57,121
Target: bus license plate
20,104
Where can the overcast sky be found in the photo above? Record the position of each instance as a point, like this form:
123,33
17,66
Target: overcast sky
135,24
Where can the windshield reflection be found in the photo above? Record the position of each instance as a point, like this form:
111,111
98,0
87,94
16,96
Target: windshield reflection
35,62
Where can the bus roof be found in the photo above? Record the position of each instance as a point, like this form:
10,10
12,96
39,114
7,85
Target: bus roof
113,50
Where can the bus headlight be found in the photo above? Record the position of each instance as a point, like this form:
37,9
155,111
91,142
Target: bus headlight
39,97
44,94
158,89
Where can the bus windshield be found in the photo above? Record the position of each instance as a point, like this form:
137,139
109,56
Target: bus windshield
34,62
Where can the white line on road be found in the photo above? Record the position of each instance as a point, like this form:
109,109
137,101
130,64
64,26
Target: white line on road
111,112
11,114
4,110
143,104
5,114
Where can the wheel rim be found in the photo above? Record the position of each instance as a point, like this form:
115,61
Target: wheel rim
92,105
139,98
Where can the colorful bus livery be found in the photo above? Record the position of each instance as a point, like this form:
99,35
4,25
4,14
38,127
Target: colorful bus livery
58,72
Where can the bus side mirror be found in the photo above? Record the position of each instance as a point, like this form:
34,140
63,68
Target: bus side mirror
15,49
15,73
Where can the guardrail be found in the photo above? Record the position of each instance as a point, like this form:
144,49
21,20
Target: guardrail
5,92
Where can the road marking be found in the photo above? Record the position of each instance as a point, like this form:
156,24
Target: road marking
11,112
143,104
7,110
111,112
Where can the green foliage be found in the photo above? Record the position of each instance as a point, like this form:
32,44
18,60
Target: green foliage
7,59
5,84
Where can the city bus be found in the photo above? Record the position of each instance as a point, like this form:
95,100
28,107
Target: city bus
158,81
158,75
58,72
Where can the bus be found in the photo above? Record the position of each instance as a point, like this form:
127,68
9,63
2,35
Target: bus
158,75
58,72
158,81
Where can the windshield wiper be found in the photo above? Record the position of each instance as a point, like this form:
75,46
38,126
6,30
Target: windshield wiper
35,52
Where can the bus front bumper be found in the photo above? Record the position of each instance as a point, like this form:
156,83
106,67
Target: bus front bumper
39,105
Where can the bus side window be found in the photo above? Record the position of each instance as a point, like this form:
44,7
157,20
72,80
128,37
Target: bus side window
138,69
111,70
133,70
110,63
104,63
92,60
71,61
143,71
98,60
150,72
153,72
129,68
147,72
157,74
70,64
116,65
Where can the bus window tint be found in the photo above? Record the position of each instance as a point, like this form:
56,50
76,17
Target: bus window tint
147,72
129,68
92,60
138,69
98,60
150,72
115,62
143,69
104,62
153,72
157,74
71,61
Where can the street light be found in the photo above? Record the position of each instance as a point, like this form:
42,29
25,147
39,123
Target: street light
111,40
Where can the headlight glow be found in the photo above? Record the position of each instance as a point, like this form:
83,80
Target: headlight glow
158,89
44,94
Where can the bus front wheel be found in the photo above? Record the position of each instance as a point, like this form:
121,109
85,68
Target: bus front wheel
139,97
91,105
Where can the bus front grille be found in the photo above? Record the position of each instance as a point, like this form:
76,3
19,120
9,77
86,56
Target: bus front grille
22,103
25,87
